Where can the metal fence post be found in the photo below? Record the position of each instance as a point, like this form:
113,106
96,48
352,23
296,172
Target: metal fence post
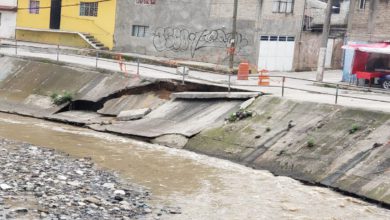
283,80
184,72
58,52
137,66
337,94
16,47
229,85
97,58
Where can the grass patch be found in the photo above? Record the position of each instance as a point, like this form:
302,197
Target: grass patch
311,143
238,116
59,99
354,128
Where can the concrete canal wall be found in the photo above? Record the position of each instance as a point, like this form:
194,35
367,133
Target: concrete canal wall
344,148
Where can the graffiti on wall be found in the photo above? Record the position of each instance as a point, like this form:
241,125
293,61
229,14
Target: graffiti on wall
145,2
177,39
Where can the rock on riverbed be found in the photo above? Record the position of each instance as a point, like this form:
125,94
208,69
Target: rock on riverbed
41,183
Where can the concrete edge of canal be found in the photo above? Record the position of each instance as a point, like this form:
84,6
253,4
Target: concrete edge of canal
343,148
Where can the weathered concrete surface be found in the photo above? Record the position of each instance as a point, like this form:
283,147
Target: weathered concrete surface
133,114
25,85
171,140
277,139
128,102
44,102
80,117
21,78
177,117
26,110
104,85
247,103
215,95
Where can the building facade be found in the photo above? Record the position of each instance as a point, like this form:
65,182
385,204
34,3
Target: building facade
271,33
311,35
86,23
8,10
188,30
279,25
280,35
368,23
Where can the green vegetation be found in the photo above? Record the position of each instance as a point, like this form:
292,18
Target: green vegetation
240,115
59,99
354,128
311,143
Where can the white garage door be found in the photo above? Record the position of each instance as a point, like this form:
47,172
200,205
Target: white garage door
276,53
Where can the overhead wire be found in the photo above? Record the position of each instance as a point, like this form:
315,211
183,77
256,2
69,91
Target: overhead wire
63,6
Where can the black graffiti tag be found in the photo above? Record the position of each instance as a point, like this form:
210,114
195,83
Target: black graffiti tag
182,40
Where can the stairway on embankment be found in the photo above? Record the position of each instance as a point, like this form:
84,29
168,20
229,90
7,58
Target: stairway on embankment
344,148
92,41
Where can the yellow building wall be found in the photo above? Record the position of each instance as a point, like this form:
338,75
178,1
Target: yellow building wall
56,38
25,19
101,27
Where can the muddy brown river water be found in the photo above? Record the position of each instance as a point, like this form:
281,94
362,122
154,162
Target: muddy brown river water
204,187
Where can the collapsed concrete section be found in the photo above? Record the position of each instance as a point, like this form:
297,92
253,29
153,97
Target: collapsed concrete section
340,147
177,117
343,148
99,97
26,85
130,102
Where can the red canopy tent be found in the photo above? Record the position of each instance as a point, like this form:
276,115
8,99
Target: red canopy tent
362,56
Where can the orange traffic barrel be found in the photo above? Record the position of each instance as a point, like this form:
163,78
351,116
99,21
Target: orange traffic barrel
243,71
263,78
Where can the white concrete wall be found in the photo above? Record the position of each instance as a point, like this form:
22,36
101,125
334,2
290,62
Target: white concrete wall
8,20
318,15
7,24
8,2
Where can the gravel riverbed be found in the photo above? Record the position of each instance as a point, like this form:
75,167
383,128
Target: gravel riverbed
40,183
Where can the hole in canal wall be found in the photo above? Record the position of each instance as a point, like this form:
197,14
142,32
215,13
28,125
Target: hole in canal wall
163,89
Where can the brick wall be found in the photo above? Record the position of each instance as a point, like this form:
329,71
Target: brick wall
371,23
306,56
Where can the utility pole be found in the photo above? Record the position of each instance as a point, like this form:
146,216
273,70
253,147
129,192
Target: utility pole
233,38
324,42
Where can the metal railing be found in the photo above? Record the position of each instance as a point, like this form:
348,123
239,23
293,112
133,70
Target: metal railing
144,63
336,87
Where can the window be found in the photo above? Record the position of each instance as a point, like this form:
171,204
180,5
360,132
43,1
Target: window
283,6
139,31
336,7
34,7
362,4
264,38
276,38
89,9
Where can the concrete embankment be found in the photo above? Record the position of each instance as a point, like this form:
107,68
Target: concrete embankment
344,148
347,149
100,97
